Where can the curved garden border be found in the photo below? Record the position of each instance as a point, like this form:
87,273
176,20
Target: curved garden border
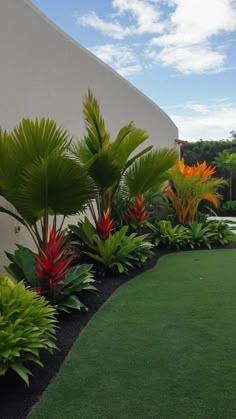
16,398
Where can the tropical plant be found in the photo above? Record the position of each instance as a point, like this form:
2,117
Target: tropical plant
164,234
205,234
27,327
188,186
148,174
200,235
106,225
226,162
109,163
221,234
50,274
137,212
119,252
229,206
38,179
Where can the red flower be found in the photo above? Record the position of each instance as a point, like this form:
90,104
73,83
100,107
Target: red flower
137,212
52,264
106,225
39,291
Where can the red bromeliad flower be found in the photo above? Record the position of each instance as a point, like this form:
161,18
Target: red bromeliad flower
137,212
106,225
52,264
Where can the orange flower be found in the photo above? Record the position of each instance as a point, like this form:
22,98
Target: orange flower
188,186
200,169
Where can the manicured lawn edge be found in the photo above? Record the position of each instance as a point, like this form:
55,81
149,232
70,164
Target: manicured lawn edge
162,346
17,398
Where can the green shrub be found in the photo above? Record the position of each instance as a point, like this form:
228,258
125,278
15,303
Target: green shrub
220,232
205,234
27,326
229,206
120,252
166,235
200,235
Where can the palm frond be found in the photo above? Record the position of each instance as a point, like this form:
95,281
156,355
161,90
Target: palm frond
97,133
55,184
129,144
149,171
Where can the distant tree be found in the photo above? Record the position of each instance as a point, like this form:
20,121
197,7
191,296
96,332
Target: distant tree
207,150
226,163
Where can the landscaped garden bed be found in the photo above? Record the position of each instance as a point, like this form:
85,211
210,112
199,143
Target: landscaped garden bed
131,207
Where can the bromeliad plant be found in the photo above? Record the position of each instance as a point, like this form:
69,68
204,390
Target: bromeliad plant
137,212
27,327
105,226
120,252
50,273
188,186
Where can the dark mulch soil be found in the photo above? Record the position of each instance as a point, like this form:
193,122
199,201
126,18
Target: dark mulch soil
16,399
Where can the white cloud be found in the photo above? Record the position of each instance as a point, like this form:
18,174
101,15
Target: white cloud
145,14
185,38
212,120
194,59
194,22
112,29
120,57
186,44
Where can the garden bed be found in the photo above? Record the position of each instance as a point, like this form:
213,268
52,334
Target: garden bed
16,398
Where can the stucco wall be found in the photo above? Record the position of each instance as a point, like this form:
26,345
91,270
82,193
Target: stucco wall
44,72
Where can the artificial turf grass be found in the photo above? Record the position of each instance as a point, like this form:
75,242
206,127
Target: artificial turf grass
163,346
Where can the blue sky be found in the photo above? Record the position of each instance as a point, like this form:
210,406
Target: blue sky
180,53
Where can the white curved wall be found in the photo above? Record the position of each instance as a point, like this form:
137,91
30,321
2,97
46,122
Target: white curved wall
45,73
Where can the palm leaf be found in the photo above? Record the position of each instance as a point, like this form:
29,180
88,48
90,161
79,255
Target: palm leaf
55,184
97,134
149,171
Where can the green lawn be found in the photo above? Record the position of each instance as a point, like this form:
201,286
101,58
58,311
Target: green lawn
163,346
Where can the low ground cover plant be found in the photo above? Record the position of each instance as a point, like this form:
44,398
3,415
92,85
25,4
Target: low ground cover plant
27,326
206,234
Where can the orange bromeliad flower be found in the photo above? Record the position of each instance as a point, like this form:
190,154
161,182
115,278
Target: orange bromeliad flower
189,185
137,212
106,225
200,169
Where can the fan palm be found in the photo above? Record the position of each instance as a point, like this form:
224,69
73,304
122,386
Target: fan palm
189,185
110,162
37,177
